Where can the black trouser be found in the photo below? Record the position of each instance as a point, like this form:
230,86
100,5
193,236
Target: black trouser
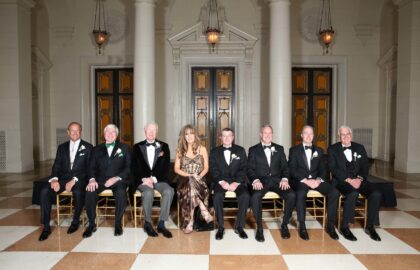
242,196
119,193
325,189
366,189
48,195
256,202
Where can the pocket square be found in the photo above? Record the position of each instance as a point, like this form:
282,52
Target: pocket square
81,154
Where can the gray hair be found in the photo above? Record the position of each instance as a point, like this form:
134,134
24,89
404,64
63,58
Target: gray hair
344,126
151,123
113,126
266,126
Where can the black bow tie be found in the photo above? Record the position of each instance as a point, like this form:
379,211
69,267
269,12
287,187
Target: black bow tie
266,146
346,147
308,147
227,148
149,144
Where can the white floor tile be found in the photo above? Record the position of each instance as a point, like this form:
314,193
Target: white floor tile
232,244
408,204
5,212
26,193
11,234
364,245
173,262
30,260
35,206
103,240
2,198
413,192
398,219
309,222
324,262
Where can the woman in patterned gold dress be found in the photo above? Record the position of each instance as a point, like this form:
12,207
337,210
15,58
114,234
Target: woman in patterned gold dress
191,165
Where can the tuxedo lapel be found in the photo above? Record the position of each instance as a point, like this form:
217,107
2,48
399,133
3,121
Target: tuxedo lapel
67,155
157,152
144,152
77,153
303,155
264,157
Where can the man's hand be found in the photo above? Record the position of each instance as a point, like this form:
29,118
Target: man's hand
111,181
356,182
55,185
147,181
233,186
284,185
257,185
92,186
224,184
312,183
70,185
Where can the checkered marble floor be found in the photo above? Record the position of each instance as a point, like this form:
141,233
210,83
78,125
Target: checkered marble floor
20,248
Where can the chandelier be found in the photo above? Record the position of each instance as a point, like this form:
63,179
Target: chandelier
326,31
213,30
99,32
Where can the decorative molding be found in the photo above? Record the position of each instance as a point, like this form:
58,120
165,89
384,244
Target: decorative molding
164,29
232,41
389,59
364,32
63,32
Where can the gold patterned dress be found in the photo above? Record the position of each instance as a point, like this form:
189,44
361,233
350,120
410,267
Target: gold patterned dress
192,192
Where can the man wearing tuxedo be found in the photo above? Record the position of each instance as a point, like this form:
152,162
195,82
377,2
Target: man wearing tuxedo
150,167
349,167
109,169
69,172
268,171
307,170
228,169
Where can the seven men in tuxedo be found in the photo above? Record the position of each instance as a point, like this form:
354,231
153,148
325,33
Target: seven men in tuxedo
268,171
109,169
69,173
150,167
228,166
307,170
349,166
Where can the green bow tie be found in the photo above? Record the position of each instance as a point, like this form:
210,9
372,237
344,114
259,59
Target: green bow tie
108,145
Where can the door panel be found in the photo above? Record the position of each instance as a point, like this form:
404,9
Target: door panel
312,97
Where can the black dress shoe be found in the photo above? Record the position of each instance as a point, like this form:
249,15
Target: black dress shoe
331,232
44,235
149,230
303,233
89,231
370,230
259,236
348,234
220,233
73,228
285,234
118,230
164,232
242,234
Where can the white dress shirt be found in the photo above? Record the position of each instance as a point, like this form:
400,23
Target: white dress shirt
347,153
73,151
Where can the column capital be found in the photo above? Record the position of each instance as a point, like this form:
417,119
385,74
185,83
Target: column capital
151,2
270,2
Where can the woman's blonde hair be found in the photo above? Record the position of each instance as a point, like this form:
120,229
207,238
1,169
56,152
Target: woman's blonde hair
182,142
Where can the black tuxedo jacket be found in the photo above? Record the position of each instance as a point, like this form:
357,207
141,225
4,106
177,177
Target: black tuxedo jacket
61,168
342,169
140,164
258,167
298,164
103,167
235,171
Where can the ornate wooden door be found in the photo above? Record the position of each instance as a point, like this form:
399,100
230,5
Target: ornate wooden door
312,103
114,102
213,96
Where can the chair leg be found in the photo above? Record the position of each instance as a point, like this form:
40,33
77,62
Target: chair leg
339,212
58,209
135,210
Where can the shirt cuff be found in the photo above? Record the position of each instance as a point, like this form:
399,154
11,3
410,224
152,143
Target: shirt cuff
361,178
256,180
319,178
154,179
53,179
284,179
303,180
90,180
75,179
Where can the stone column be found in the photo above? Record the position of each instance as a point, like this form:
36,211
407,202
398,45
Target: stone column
407,143
16,142
280,95
144,65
